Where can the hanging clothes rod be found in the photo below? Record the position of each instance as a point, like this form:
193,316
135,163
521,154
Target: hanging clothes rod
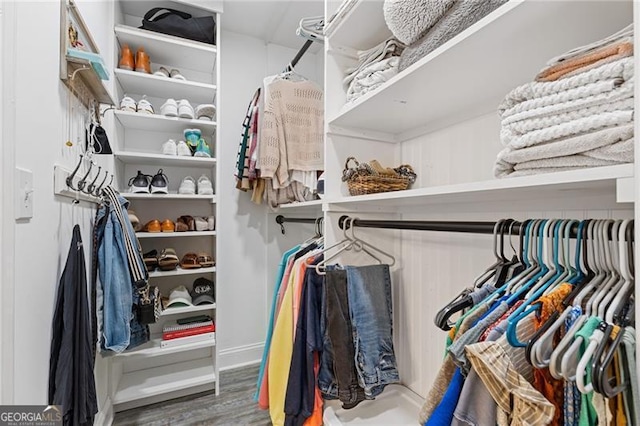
280,220
307,44
438,226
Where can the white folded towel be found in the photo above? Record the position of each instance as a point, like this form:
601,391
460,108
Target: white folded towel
386,49
372,77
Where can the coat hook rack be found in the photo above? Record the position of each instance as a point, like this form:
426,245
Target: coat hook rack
68,183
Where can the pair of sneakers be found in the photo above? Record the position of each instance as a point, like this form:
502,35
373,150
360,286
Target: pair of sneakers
180,149
194,140
143,105
181,108
147,184
189,186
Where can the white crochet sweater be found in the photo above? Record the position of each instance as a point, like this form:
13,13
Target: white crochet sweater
292,130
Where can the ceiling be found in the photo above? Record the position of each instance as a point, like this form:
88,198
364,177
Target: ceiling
274,21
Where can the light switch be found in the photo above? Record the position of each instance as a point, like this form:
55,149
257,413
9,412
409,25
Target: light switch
24,193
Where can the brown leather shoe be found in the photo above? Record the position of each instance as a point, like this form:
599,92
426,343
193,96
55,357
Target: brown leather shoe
126,58
153,226
168,226
143,64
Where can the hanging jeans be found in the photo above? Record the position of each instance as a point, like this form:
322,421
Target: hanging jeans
369,292
71,381
341,336
121,328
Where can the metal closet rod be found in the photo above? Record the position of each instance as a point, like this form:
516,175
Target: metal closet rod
282,219
439,226
307,44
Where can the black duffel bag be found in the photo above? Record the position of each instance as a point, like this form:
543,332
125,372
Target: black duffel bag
180,24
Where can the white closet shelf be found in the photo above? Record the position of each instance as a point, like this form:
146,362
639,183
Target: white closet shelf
470,74
305,205
168,378
140,83
361,28
175,234
171,196
164,49
152,348
140,8
187,310
179,271
161,123
132,157
567,186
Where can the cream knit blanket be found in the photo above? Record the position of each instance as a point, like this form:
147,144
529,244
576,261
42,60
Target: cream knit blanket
292,130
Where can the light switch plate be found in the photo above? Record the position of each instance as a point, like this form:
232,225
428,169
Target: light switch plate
24,194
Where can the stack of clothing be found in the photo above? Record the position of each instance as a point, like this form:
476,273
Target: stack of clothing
425,25
375,67
578,113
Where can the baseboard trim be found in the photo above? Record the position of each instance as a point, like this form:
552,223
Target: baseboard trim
240,356
105,416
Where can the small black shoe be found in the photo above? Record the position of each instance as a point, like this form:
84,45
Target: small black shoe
159,183
139,183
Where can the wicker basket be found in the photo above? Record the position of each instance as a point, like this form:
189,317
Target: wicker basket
360,184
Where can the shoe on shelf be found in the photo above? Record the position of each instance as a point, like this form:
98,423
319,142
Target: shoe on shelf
183,149
128,104
185,110
153,226
135,222
170,147
151,260
145,107
143,63
192,136
168,260
185,223
187,186
162,72
139,184
176,74
168,226
202,150
205,112
201,223
160,183
169,108
205,187
126,58
211,223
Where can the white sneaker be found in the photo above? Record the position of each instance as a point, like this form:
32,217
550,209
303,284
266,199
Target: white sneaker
169,108
128,104
205,187
185,110
183,149
187,186
211,223
170,148
145,107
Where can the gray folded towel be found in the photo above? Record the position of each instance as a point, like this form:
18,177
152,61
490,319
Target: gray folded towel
457,18
409,20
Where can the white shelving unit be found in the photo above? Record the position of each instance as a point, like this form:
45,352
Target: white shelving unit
461,76
175,234
161,123
181,272
147,158
142,384
440,116
140,83
150,373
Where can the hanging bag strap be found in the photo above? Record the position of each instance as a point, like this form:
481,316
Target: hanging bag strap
149,16
140,276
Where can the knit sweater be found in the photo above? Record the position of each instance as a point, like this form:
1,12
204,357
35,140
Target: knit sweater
292,130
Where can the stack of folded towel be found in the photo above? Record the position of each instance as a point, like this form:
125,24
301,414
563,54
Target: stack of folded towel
375,66
578,113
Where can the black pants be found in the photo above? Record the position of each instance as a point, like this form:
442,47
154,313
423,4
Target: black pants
341,336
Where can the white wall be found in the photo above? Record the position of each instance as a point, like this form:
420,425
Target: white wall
41,244
244,276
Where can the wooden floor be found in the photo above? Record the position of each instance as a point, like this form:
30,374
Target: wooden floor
234,405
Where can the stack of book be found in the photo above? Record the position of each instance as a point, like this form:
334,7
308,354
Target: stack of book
189,332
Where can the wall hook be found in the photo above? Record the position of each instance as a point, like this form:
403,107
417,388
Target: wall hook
92,185
69,179
83,181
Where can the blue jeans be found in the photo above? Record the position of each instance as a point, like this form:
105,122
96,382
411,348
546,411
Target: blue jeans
121,329
370,303
326,378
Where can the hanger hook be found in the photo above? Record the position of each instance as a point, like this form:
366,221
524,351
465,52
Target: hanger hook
99,188
69,179
92,185
83,181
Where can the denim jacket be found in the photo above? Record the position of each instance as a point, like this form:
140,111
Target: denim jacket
121,328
